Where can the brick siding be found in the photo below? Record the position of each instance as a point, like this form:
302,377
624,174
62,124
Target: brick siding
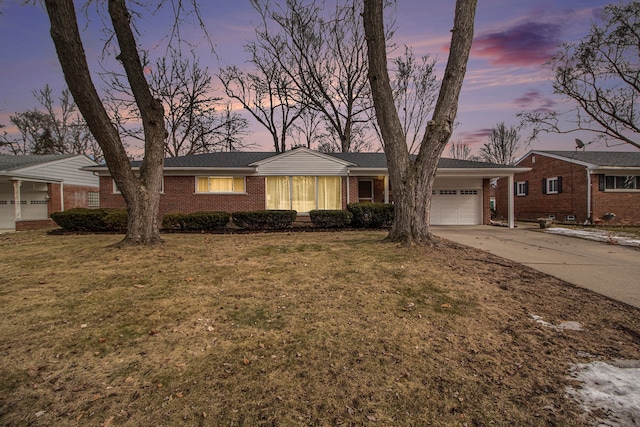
573,198
75,196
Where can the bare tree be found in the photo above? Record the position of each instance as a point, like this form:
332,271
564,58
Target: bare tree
460,150
51,128
503,145
412,179
600,75
266,93
194,124
324,57
141,191
309,129
415,88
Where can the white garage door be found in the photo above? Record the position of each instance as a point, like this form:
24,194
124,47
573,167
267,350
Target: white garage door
6,211
456,207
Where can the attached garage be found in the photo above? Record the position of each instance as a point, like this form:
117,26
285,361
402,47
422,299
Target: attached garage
457,202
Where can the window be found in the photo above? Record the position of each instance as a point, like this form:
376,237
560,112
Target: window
622,182
93,199
220,184
116,190
469,192
552,185
522,188
448,192
303,193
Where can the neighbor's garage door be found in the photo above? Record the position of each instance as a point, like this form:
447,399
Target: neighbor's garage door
456,207
6,211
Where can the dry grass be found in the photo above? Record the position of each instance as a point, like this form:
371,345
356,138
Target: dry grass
305,329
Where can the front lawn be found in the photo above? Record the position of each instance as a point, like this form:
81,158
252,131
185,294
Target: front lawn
290,329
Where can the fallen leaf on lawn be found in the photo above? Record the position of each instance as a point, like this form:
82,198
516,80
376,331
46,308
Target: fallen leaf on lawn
138,286
189,279
446,305
102,339
108,421
179,395
246,361
159,385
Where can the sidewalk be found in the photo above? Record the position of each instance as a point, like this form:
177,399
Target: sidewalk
610,270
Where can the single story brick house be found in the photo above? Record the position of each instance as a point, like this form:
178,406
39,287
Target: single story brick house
303,180
575,186
34,186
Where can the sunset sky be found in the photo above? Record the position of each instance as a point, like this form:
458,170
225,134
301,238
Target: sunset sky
513,39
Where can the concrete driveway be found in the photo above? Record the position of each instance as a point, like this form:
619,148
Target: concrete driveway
607,269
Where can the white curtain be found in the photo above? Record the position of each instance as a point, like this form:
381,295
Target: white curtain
303,193
329,192
277,189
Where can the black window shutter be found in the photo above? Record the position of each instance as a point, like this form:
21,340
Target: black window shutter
601,182
559,184
515,188
526,188
544,185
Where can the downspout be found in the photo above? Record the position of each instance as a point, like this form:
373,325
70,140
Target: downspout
510,200
61,196
348,185
589,196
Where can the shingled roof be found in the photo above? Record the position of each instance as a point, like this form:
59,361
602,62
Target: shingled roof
245,159
629,159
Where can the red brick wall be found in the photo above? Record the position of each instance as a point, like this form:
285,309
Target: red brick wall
74,197
571,201
180,196
626,205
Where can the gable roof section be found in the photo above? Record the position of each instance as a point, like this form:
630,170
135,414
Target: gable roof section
595,159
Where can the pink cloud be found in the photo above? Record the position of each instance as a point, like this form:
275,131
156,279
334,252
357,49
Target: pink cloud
535,101
525,43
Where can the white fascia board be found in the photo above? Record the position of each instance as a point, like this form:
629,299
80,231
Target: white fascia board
30,178
209,171
614,169
368,171
488,173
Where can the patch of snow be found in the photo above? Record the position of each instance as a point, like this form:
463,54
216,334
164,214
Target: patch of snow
613,387
571,325
597,235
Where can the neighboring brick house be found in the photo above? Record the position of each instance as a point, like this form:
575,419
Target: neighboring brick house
576,186
304,180
34,186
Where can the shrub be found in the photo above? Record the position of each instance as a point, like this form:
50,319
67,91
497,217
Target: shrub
264,220
197,221
82,219
330,218
371,215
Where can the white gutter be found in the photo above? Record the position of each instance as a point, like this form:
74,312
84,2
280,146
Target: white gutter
589,195
510,201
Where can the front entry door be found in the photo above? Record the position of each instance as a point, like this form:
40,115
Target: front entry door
365,190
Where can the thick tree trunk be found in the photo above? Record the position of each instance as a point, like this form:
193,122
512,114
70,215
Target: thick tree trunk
412,180
141,193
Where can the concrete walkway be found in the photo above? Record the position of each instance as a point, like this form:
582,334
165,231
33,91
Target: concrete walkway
610,270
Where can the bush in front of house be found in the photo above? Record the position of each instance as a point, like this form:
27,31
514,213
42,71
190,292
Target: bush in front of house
330,218
264,220
197,221
371,215
94,220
